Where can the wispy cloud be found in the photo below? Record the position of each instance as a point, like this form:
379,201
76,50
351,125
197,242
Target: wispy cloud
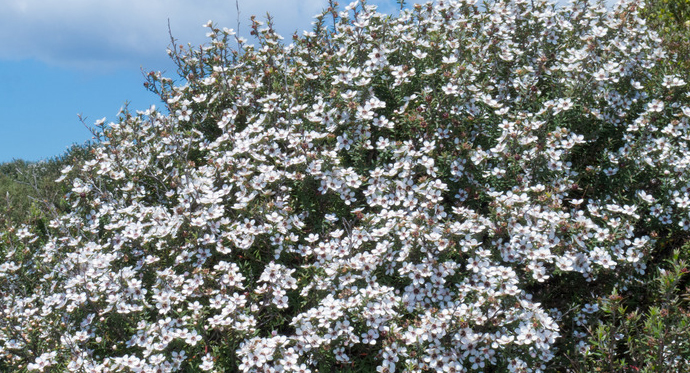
89,34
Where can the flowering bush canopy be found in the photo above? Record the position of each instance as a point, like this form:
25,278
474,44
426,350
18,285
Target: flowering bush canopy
449,189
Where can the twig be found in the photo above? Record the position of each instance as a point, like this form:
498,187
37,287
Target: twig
237,32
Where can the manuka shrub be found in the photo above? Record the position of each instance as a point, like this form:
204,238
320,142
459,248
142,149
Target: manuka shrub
449,189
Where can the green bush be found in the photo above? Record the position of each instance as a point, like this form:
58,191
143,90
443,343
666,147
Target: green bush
671,19
28,190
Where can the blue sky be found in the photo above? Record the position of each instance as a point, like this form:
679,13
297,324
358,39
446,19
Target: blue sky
61,58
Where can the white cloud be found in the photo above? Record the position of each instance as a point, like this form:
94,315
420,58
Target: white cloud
115,33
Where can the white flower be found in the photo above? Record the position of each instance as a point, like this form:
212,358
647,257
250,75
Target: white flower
419,54
686,111
655,106
344,142
450,89
206,363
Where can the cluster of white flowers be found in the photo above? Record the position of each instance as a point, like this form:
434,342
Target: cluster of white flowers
397,190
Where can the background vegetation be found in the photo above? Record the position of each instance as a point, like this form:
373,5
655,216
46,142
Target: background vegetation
671,19
28,190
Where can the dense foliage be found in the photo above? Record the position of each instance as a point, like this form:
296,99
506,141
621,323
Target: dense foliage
671,18
15,191
648,335
461,187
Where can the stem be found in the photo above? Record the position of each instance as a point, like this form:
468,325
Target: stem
664,313
612,338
